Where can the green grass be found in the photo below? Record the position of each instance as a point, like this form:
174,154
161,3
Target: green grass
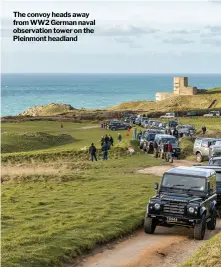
47,219
208,255
14,139
16,142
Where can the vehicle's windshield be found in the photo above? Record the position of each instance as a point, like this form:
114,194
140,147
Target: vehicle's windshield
215,162
183,182
151,137
171,140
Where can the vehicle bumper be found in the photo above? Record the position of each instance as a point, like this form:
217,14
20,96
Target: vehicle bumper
181,220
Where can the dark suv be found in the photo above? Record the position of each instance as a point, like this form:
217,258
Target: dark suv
162,139
119,126
186,197
148,142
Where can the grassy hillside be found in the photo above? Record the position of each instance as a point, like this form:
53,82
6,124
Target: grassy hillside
175,103
35,135
54,212
208,255
16,142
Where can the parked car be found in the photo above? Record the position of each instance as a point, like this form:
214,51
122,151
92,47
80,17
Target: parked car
212,114
168,116
119,126
173,124
144,122
162,125
148,142
191,114
215,161
142,138
162,139
186,130
215,150
184,199
201,147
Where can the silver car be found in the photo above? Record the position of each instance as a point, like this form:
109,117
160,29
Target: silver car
201,147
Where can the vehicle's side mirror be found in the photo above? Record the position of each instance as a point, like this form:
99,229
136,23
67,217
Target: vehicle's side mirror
156,186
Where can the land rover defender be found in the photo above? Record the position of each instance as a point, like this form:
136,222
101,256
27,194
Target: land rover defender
186,197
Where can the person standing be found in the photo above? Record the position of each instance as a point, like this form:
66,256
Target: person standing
169,152
92,151
155,148
204,129
135,133
119,138
111,140
105,149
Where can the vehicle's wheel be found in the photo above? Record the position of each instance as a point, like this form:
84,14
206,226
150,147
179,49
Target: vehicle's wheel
149,225
211,225
200,229
199,157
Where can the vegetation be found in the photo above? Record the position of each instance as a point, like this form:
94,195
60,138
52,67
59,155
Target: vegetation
175,103
52,213
208,255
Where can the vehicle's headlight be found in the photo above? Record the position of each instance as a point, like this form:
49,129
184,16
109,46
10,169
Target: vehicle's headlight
157,206
191,210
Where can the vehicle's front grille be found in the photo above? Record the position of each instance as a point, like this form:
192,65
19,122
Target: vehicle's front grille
173,207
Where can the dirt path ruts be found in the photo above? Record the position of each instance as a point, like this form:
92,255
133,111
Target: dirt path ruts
167,247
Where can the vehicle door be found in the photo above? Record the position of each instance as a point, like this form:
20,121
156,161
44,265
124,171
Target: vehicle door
205,148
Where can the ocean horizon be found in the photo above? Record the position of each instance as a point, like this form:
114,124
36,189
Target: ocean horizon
24,90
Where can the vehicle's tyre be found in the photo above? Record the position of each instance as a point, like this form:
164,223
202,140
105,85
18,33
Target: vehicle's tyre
199,157
211,225
200,229
149,225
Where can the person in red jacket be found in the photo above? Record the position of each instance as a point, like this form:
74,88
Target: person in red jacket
170,151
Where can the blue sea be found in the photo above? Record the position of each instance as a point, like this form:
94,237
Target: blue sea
21,91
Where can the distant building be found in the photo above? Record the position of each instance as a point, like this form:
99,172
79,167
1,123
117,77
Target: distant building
180,87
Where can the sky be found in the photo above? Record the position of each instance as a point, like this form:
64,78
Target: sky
130,37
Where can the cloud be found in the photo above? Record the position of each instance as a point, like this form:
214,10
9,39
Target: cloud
177,41
216,42
128,30
214,28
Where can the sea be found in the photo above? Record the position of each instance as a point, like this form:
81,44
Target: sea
22,91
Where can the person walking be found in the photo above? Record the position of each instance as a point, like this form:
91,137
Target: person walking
155,148
111,140
92,151
119,138
105,149
62,126
169,152
204,129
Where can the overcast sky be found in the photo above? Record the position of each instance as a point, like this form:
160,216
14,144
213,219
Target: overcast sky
130,37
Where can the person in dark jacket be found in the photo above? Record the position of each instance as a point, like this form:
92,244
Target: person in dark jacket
155,147
105,149
92,151
106,139
204,129
119,137
173,131
111,140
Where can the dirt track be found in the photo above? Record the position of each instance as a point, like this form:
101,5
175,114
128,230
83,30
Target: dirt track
167,247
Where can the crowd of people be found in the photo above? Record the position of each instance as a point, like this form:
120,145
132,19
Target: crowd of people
106,142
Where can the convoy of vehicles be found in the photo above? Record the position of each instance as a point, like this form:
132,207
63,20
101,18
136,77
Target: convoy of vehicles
186,197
